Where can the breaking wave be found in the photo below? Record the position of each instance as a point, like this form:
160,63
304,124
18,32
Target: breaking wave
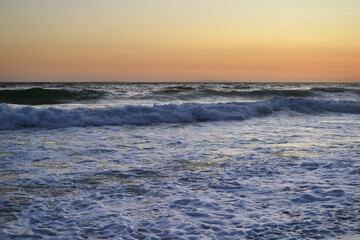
50,117
37,96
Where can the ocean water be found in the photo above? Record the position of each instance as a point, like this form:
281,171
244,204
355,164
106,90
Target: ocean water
179,161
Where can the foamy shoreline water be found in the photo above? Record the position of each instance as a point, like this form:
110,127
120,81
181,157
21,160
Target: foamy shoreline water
218,165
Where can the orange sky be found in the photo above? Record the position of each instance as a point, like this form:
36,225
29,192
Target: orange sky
163,40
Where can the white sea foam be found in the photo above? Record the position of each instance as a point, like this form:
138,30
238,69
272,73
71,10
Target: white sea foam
289,172
50,117
288,177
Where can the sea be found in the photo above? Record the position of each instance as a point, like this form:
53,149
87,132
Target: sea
180,161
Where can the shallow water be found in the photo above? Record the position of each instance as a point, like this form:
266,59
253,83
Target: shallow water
288,174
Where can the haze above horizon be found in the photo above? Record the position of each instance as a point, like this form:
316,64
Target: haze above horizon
162,40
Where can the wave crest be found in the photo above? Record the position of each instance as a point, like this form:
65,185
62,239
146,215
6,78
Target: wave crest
22,117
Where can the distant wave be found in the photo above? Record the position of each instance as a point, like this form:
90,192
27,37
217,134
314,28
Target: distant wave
177,89
37,96
281,93
22,117
192,93
335,90
242,91
43,95
329,89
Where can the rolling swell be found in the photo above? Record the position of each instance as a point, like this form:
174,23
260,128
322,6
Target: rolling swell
38,96
335,90
280,93
22,117
261,93
207,92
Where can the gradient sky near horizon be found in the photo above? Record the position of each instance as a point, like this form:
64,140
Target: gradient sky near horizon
168,40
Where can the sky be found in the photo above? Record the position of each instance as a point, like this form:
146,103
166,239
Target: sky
171,40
